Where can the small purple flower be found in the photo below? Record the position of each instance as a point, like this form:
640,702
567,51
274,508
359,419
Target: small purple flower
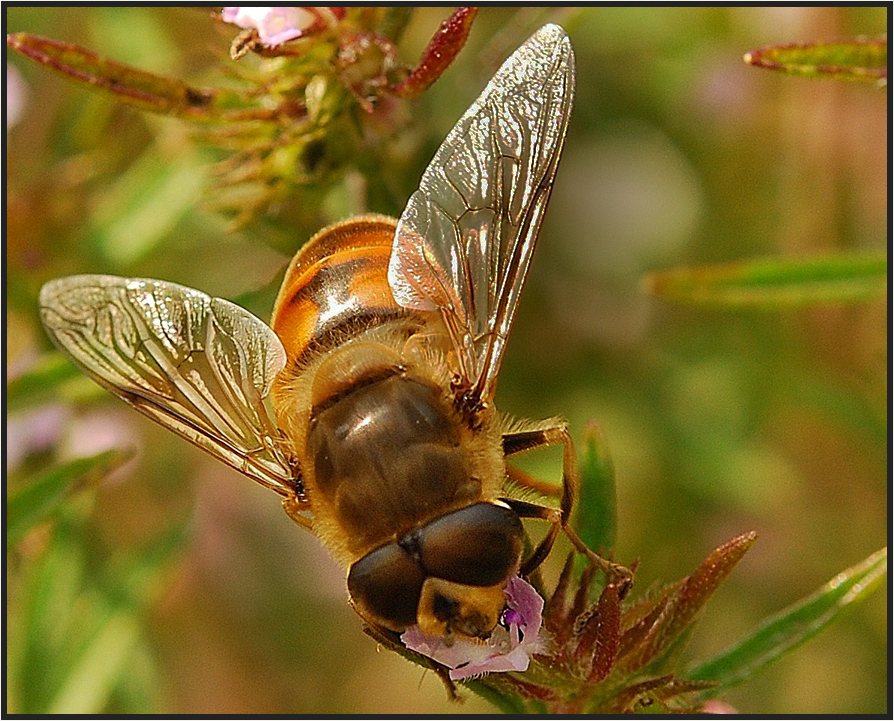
277,25
509,647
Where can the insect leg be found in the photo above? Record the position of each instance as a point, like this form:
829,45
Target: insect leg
391,639
560,518
296,509
516,442
520,478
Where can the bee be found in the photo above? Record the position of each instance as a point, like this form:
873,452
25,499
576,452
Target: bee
381,362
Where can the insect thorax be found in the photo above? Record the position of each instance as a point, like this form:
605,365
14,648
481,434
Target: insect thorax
385,448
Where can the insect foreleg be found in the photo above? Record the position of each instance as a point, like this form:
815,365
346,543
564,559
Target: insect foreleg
559,518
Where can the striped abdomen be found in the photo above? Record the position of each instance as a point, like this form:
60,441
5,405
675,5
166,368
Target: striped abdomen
336,287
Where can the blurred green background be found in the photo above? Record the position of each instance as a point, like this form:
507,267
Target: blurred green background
177,586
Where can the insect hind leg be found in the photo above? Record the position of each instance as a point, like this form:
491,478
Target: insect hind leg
559,518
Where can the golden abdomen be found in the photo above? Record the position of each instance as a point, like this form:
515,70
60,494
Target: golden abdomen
336,286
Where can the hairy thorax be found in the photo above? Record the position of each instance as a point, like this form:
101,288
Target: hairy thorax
382,448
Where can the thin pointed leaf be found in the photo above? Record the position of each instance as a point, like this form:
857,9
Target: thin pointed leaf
700,586
637,697
44,496
793,626
557,608
582,595
145,204
509,704
41,383
653,696
143,90
634,635
99,668
687,599
776,283
83,628
607,634
859,59
597,514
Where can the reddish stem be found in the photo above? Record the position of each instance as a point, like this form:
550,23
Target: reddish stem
438,54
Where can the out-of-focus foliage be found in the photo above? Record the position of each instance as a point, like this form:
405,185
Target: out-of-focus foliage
861,59
609,659
718,422
795,625
777,283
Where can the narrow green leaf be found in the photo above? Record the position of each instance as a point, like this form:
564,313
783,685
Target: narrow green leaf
87,688
508,703
143,206
42,382
46,613
770,284
140,89
793,626
859,59
597,511
44,495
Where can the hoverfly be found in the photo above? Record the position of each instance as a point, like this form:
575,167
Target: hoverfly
381,361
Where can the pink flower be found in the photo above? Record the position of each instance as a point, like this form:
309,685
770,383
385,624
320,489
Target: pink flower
509,647
16,96
37,430
277,25
716,706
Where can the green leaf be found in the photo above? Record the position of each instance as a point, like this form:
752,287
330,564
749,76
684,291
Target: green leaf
42,382
43,496
597,510
793,626
45,615
858,59
506,702
99,668
770,284
125,590
78,625
142,208
140,89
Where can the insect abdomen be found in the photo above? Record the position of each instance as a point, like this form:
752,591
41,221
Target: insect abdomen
336,287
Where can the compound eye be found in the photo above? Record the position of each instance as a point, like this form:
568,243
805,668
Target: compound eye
479,545
386,584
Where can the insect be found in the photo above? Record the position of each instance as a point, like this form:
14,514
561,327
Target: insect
381,362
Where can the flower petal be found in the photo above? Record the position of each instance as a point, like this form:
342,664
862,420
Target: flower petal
277,25
508,649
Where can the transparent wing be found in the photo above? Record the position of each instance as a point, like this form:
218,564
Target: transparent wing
198,365
465,240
